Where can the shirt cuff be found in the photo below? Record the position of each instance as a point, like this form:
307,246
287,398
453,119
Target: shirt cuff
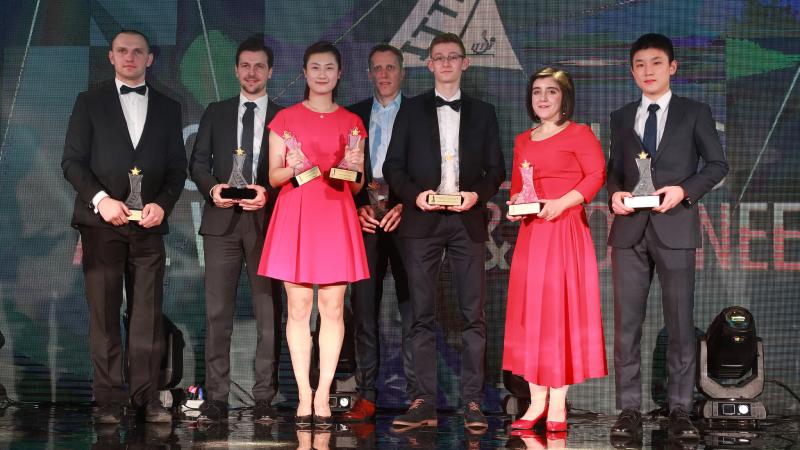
97,199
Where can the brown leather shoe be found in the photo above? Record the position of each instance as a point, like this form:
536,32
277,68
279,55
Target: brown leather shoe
362,410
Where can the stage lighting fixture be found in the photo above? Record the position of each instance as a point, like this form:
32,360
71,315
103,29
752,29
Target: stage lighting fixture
731,369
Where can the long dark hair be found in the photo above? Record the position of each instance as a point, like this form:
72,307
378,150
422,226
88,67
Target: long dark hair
322,47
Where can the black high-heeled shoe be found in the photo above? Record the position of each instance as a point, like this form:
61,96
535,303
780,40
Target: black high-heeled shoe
304,421
323,422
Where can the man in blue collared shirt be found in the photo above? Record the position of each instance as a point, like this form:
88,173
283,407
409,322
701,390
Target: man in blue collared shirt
379,213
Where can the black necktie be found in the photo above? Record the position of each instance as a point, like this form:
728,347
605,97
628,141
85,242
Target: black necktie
650,130
455,104
247,140
141,90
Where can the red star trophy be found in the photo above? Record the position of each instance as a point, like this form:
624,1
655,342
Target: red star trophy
447,194
527,201
303,171
134,200
643,191
238,185
345,170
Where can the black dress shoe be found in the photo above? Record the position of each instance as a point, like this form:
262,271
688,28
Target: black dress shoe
419,414
681,426
155,413
107,414
213,411
263,412
628,424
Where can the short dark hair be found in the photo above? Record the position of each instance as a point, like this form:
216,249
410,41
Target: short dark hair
385,48
567,93
255,44
446,38
653,40
322,47
131,31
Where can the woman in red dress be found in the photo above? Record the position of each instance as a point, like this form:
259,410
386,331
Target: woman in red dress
314,237
554,332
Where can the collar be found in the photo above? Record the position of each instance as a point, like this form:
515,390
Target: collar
457,95
120,84
261,102
376,105
663,101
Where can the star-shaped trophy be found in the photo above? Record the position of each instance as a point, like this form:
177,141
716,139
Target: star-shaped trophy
527,201
643,191
134,200
238,184
303,171
345,170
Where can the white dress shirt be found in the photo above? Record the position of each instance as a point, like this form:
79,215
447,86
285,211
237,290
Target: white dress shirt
381,123
134,108
661,115
258,126
449,127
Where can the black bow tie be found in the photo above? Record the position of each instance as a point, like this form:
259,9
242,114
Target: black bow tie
455,104
141,90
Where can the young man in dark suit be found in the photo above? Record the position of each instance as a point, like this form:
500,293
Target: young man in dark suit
446,124
233,230
125,127
676,133
379,219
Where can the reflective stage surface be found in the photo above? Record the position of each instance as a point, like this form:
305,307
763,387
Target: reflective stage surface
71,427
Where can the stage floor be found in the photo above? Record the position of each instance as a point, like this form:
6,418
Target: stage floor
70,427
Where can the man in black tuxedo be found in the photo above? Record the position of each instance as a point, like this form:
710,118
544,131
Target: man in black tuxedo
379,212
125,127
445,124
676,133
233,231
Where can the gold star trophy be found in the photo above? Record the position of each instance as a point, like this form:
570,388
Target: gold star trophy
447,194
238,184
643,191
344,170
527,201
303,171
134,200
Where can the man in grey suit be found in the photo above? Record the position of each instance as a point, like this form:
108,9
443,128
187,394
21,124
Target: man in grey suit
676,133
233,231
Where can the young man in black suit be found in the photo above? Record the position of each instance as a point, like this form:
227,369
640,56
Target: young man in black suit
380,237
446,124
233,230
125,127
676,133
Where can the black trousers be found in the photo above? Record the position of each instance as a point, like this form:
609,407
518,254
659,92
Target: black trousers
223,256
107,255
632,270
382,250
423,258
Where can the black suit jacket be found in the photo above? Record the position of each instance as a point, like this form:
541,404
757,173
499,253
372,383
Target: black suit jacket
363,109
212,161
689,136
413,162
99,154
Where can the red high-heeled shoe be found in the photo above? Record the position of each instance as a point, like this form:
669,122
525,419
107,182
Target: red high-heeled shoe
523,424
556,426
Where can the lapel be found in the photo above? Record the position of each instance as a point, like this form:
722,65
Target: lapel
629,119
433,123
116,115
262,167
673,118
466,109
366,116
152,98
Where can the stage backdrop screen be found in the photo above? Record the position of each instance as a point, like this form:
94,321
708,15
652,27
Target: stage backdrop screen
741,57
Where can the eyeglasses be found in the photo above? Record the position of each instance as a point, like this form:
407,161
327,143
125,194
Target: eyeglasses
440,59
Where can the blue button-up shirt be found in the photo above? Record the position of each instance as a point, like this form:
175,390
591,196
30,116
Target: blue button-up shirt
381,122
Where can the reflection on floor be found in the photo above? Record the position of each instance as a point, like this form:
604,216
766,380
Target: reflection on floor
32,426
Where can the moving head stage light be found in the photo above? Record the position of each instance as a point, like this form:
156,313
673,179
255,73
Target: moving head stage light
731,368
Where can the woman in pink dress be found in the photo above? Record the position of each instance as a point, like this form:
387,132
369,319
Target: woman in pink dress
554,332
314,237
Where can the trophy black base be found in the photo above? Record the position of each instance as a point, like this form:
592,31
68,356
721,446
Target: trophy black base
304,177
642,201
238,193
136,215
445,199
524,209
345,175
